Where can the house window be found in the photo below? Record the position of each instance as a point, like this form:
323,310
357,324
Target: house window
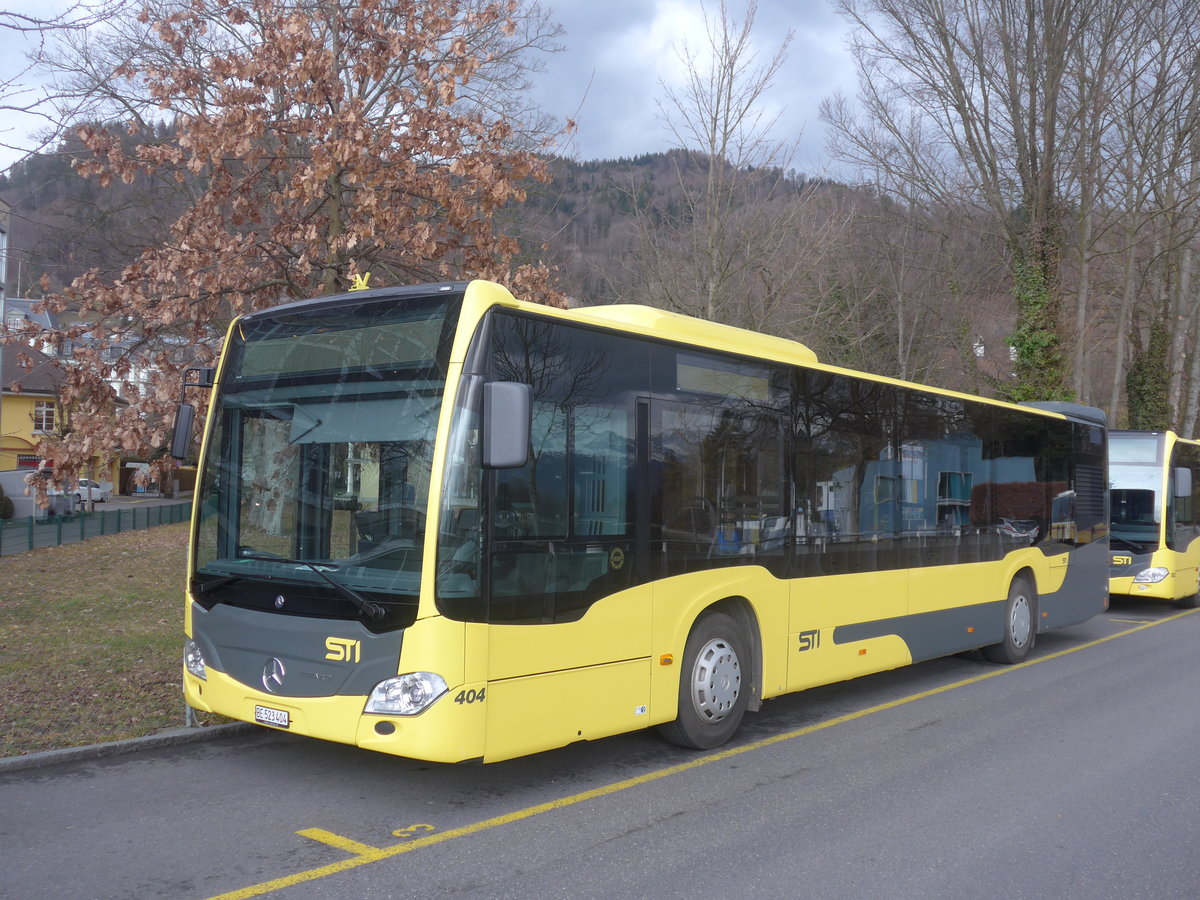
954,498
43,416
28,460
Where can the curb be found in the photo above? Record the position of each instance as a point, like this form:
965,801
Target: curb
169,738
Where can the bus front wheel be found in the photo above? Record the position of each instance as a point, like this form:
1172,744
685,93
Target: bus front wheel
713,684
1020,624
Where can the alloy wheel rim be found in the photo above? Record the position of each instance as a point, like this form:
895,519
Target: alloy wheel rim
1022,621
716,680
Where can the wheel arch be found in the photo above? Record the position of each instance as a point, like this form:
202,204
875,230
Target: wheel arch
741,610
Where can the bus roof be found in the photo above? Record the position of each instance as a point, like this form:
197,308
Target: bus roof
714,334
659,323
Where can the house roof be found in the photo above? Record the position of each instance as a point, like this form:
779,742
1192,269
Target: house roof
21,309
43,378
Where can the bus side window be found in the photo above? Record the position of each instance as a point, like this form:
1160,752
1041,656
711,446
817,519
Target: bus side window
531,501
846,470
561,526
722,471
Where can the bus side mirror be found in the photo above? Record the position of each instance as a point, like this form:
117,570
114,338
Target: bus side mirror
507,407
181,434
185,413
1183,482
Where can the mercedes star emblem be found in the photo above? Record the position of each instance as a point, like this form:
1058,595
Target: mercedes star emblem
273,673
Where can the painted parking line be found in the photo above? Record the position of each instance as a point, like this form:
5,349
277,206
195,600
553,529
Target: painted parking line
337,840
364,854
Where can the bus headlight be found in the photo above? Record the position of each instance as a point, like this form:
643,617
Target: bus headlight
193,659
1150,576
405,695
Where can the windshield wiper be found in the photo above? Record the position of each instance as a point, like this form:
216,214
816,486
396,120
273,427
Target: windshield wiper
365,606
218,583
1132,545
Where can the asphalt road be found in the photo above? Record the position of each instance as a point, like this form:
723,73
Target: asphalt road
1072,776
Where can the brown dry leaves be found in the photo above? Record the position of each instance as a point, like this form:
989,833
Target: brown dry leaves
319,143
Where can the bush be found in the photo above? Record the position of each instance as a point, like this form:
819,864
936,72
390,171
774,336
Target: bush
7,510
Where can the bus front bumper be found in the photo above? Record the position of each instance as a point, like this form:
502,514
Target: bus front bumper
445,732
1167,589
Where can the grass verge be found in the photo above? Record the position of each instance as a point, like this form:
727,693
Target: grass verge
91,637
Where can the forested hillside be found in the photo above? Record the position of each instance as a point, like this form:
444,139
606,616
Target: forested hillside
826,264
1017,212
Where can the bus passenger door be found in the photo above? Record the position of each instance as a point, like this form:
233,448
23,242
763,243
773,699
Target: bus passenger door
569,624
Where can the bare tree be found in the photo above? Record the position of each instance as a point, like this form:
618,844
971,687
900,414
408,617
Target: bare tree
728,249
967,102
1073,126
1152,205
23,90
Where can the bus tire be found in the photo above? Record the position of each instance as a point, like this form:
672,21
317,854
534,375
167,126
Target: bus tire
1020,624
713,684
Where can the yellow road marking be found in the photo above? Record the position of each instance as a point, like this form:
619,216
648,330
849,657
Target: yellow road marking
1129,621
336,840
409,830
373,854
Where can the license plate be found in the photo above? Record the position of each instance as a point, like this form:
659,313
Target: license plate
277,718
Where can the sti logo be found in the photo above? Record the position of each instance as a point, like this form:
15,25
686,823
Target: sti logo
1122,560
343,649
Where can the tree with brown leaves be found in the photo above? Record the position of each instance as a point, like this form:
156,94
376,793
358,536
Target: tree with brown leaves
317,141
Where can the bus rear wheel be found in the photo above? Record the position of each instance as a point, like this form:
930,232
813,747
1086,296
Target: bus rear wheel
1020,624
712,684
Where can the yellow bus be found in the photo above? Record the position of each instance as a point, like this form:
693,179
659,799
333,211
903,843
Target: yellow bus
442,523
1154,484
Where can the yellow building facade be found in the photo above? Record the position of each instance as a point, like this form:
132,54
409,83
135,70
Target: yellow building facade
29,408
30,411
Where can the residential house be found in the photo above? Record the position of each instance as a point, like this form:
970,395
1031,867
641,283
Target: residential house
22,425
29,406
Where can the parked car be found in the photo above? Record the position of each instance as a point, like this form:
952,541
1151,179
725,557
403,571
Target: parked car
65,503
97,495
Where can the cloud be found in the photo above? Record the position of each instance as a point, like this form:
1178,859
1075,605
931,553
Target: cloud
619,52
600,80
618,55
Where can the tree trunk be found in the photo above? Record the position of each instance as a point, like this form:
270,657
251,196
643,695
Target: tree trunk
1181,334
1124,316
1188,423
1079,380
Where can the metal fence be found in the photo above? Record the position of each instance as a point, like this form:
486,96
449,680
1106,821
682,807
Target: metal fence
32,533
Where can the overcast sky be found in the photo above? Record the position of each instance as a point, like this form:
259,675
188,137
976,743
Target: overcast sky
616,54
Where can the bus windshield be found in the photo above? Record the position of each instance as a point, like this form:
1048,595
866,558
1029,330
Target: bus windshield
320,453
1136,504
